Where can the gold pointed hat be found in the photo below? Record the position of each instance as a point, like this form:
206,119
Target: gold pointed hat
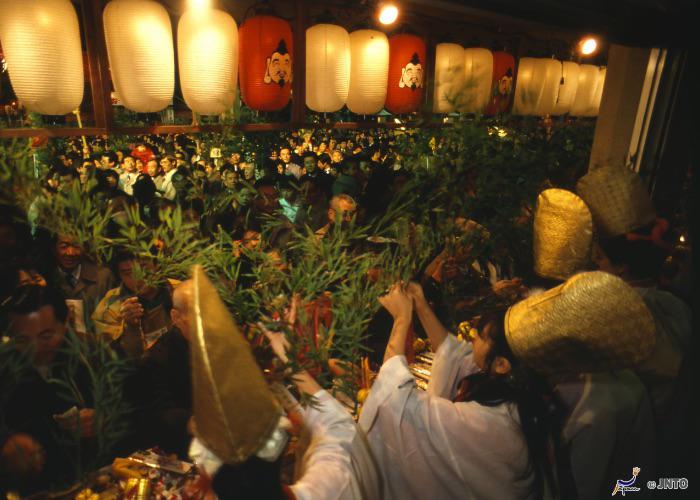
234,408
563,234
617,199
593,322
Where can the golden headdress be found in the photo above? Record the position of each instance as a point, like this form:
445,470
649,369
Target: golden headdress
593,322
235,410
617,198
563,234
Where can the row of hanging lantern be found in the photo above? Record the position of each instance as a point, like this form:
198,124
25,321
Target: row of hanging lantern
476,80
551,87
363,70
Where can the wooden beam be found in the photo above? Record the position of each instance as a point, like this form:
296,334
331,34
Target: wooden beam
299,69
98,64
8,133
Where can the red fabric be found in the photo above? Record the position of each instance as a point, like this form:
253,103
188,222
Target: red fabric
404,99
258,39
501,102
144,156
319,313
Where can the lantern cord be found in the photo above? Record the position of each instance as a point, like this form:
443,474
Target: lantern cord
76,112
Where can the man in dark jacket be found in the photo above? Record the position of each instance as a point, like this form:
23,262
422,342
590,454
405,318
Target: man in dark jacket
37,405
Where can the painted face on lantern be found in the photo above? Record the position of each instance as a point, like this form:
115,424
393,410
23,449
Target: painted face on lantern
279,66
412,74
505,84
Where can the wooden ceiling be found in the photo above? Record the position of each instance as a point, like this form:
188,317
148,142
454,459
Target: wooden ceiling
629,22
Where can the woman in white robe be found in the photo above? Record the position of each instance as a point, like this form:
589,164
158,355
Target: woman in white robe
426,445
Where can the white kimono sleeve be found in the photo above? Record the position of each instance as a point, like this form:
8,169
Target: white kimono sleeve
338,464
453,361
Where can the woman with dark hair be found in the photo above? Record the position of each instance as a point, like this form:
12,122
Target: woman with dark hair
474,433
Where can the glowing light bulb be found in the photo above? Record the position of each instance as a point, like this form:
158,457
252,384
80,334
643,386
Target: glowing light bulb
198,4
388,14
682,239
588,46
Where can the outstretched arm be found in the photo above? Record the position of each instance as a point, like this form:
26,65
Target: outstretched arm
431,324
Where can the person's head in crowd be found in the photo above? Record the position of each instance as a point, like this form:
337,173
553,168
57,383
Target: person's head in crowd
336,157
153,168
120,155
124,266
342,208
212,172
84,169
229,176
248,169
635,257
108,160
180,312
139,164
36,319
375,155
168,163
310,163
324,162
198,171
129,165
285,155
322,147
108,180
331,144
235,158
68,252
266,197
144,189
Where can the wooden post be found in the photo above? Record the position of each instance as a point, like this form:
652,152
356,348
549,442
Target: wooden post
299,70
98,64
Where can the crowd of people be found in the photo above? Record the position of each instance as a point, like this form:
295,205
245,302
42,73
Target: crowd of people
490,425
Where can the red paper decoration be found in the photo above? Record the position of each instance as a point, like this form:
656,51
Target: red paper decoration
406,74
502,88
265,62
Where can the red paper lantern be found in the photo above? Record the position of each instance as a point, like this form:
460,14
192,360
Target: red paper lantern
406,74
502,88
265,62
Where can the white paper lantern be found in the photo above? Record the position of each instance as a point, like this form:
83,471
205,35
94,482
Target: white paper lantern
449,76
41,42
207,49
567,87
526,95
597,97
478,76
369,69
584,100
327,67
548,76
140,48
